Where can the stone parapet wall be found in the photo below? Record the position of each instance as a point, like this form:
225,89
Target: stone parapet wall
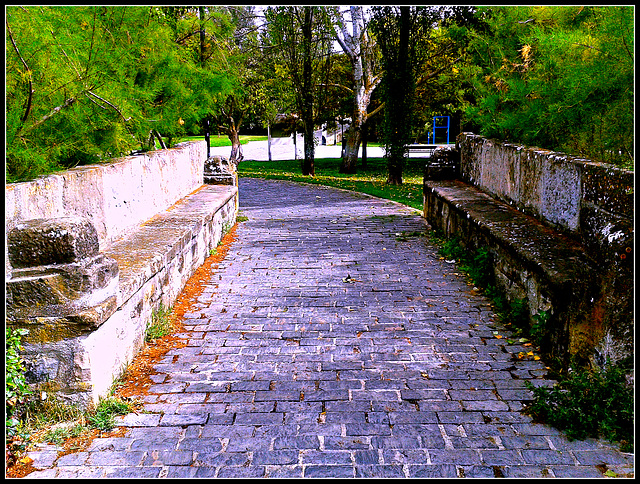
559,231
92,252
115,196
593,202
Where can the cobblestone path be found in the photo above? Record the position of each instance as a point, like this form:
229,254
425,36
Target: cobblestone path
334,342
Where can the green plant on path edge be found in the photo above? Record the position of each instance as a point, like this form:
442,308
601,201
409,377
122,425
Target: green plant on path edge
160,324
35,416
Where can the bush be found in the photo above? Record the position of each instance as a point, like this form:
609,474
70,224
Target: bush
588,404
17,391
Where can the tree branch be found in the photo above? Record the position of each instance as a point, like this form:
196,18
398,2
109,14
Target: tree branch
337,85
53,112
115,108
375,111
28,71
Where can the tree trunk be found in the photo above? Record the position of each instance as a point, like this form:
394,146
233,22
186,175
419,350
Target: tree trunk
307,93
269,140
236,147
357,45
395,165
352,145
399,90
364,146
308,168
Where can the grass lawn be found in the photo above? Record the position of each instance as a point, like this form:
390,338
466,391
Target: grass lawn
223,139
371,181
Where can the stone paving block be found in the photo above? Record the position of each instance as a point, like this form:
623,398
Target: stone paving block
433,471
460,417
576,471
457,456
138,420
115,458
275,457
525,471
547,457
236,472
159,458
284,472
201,445
299,442
379,471
110,443
76,459
43,459
488,405
366,457
325,457
482,472
501,457
226,431
222,459
525,442
413,417
328,471
599,457
126,472
259,418
173,420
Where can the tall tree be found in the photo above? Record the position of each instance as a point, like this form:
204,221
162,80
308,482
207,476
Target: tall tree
360,48
415,50
297,36
398,85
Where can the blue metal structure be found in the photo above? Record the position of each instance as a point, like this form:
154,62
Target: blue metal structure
433,140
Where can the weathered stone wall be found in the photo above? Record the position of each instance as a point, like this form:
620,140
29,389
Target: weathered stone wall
92,252
591,201
588,205
115,196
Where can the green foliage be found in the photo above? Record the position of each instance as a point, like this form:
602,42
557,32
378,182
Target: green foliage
89,83
160,325
103,417
15,383
59,435
588,404
540,328
17,392
557,77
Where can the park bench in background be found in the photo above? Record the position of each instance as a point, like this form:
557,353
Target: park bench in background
426,150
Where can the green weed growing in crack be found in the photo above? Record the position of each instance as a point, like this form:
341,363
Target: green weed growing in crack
160,325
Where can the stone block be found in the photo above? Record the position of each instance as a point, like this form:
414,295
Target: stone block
218,170
67,288
42,242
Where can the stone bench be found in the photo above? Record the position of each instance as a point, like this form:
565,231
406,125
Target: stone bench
584,295
87,300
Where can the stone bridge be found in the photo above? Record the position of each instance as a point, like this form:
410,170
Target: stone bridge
332,341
